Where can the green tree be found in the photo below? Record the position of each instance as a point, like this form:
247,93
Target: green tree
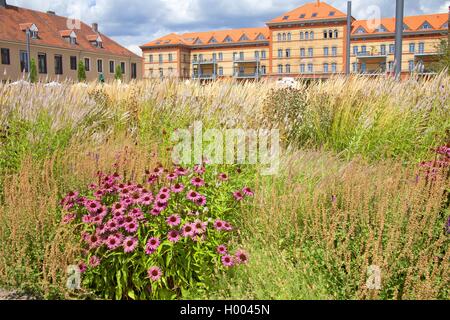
444,58
81,72
118,74
33,72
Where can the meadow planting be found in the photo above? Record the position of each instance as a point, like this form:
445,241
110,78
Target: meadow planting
93,206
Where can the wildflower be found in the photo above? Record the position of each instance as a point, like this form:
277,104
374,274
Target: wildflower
219,224
155,212
118,208
181,171
131,227
173,236
152,179
198,182
99,194
227,261
160,206
82,266
94,261
146,199
112,242
223,177
120,220
192,195
248,192
199,226
92,206
162,197
172,176
130,244
188,230
68,218
199,169
137,213
86,219
227,226
154,273
200,200
177,188
222,249
238,196
135,197
174,220
152,245
241,257
112,225
94,241
165,190
101,229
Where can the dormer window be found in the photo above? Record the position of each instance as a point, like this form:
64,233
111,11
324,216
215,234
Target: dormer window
381,29
95,40
425,26
198,41
285,17
244,38
34,31
332,13
405,27
445,25
314,15
70,36
260,37
360,30
302,16
213,40
228,39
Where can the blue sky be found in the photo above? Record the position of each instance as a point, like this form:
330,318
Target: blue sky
135,22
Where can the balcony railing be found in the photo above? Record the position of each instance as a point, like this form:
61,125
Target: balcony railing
246,60
204,76
367,54
204,61
243,75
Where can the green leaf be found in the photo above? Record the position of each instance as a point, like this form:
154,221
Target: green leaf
131,294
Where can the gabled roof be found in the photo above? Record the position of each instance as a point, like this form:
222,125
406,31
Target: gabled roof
412,23
14,20
68,33
203,38
310,11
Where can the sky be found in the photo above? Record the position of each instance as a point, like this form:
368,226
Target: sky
135,22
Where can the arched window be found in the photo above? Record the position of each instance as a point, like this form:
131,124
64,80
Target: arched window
279,37
330,34
336,34
288,68
284,36
311,35
307,35
302,36
325,34
289,36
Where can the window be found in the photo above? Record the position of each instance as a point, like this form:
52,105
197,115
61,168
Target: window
58,64
288,53
214,56
325,67
405,27
285,17
256,55
100,66
133,71
383,49
228,39
306,35
234,56
150,58
302,16
112,68
161,72
381,29
200,57
392,48
363,49
279,37
325,51
310,52
220,56
122,67
336,34
241,56
244,38
284,36
220,71
426,26
411,65
332,13
302,36
170,71
330,34
170,57
280,68
334,51
360,30
302,52
355,67
325,34
311,35
310,67
263,69
412,47
363,67
42,63
160,58
73,63
263,54
289,36
391,66
213,40
260,37
23,61
334,67
302,68
195,58
421,47
5,56
280,53
288,68
72,40
355,50
314,15
87,64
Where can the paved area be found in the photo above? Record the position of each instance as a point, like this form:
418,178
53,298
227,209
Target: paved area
13,295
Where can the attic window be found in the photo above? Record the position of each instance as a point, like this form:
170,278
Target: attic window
405,27
381,29
425,26
445,25
360,30
213,40
261,37
198,41
244,38
228,39
34,31
332,13
285,17
314,15
302,16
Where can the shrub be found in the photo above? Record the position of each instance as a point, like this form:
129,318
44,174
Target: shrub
158,238
81,72
33,71
118,75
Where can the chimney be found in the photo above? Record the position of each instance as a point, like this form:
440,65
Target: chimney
3,3
51,12
95,27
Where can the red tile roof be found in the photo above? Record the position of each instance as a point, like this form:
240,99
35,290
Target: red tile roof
245,35
52,28
310,11
414,23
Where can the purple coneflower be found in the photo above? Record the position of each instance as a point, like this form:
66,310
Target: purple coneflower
192,195
164,190
131,227
227,261
177,188
112,225
200,200
154,273
173,236
94,261
172,176
219,224
112,242
227,226
223,177
181,171
222,249
86,219
136,213
188,230
174,220
241,257
155,212
68,218
248,192
152,245
82,266
199,169
146,199
120,220
199,226
197,182
162,197
94,241
238,196
129,244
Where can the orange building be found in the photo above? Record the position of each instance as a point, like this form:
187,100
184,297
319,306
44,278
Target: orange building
308,42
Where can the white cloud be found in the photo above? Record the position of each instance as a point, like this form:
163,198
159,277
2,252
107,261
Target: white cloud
135,22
